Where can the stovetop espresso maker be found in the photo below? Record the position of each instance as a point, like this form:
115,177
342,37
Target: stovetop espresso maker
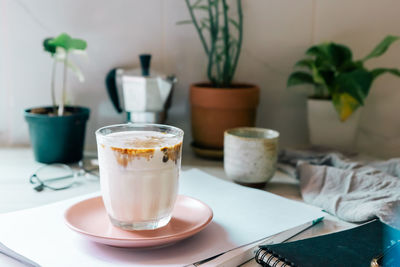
146,95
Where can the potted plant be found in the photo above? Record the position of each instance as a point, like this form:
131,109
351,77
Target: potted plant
220,103
57,132
341,86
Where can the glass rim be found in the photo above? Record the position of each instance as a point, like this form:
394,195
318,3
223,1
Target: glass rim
177,131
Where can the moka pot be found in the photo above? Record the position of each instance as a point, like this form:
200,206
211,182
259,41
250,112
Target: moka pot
146,96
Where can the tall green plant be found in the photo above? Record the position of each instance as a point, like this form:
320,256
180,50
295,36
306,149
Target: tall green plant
60,48
221,44
335,75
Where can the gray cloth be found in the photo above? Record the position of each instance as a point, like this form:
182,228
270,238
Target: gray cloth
351,190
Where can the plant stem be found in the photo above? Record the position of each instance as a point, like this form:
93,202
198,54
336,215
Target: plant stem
227,62
197,27
217,61
240,39
64,90
213,40
52,86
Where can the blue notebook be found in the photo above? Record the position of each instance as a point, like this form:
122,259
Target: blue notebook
358,246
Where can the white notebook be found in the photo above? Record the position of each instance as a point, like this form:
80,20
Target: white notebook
241,215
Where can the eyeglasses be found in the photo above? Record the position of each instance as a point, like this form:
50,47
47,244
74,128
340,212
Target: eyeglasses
59,176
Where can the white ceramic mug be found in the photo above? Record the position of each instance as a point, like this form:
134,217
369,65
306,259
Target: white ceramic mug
250,155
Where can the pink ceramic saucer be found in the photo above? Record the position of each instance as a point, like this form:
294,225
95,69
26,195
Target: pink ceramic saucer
90,219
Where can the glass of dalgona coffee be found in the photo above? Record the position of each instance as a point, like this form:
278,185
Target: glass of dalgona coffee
139,172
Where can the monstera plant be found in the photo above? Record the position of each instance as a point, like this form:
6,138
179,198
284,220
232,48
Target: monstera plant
57,132
336,76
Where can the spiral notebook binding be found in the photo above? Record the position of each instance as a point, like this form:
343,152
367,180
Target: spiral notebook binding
268,258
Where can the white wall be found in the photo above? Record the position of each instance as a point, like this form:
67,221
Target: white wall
277,32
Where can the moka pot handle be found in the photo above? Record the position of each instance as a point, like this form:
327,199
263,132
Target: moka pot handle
111,86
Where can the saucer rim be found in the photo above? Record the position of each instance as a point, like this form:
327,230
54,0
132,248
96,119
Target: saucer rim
175,237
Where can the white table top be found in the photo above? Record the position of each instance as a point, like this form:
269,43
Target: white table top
17,165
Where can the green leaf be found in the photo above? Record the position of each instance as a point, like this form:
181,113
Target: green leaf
77,44
344,104
315,50
351,65
379,71
382,47
328,78
320,51
183,22
317,77
356,83
49,47
308,63
65,41
298,78
61,41
330,54
340,54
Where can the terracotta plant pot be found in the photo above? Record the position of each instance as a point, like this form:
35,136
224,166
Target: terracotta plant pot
213,110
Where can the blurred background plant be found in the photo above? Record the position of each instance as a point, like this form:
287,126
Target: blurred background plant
221,36
337,77
60,48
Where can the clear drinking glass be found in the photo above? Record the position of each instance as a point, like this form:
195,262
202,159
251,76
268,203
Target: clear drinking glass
139,172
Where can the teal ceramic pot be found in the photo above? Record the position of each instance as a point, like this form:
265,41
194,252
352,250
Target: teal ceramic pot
57,139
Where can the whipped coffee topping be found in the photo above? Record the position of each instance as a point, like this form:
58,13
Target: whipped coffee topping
141,139
134,145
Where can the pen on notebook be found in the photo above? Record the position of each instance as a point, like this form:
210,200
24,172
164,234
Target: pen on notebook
246,253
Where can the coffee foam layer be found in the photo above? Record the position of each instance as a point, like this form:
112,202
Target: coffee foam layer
140,149
140,140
